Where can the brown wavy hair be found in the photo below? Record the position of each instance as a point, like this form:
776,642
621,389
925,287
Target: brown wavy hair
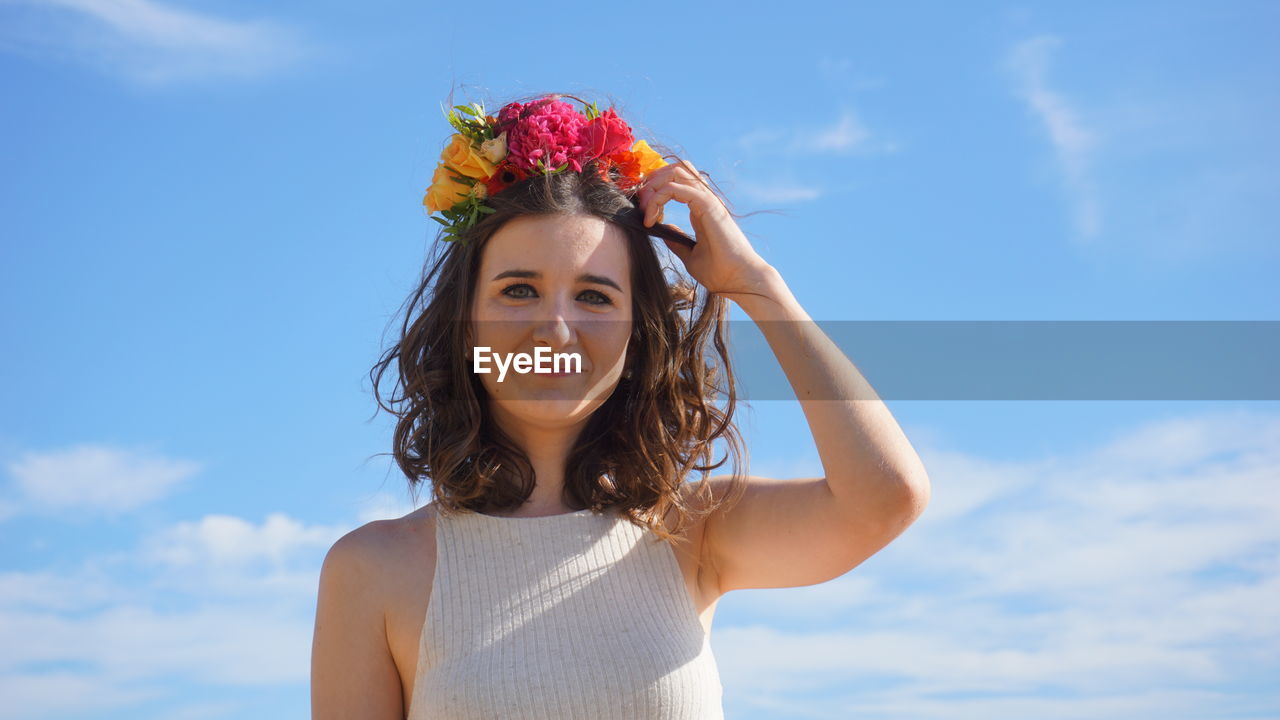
637,447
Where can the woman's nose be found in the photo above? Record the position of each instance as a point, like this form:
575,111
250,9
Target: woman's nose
556,328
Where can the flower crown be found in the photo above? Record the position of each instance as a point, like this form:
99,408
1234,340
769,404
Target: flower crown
542,137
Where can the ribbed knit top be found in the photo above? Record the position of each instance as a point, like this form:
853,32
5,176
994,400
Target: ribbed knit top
577,616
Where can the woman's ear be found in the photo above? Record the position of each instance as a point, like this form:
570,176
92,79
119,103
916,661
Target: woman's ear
629,364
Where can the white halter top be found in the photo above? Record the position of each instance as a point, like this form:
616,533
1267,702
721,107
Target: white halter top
577,616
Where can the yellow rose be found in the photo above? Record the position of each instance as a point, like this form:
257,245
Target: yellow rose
462,157
647,157
445,192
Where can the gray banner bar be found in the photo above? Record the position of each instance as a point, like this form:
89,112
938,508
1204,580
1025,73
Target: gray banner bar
1007,359
1037,360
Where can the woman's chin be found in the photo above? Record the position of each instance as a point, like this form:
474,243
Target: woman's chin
553,411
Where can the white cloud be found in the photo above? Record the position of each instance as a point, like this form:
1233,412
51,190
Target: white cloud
147,41
95,478
815,148
1072,142
219,601
1122,574
231,540
62,694
842,136
57,591
233,559
845,135
133,646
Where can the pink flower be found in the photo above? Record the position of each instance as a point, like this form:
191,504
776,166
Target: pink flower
546,129
605,134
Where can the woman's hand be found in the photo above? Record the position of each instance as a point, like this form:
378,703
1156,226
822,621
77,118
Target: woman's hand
722,259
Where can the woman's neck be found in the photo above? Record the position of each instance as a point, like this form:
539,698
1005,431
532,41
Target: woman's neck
548,450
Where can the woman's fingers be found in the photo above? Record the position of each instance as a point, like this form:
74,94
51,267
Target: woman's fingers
670,190
681,171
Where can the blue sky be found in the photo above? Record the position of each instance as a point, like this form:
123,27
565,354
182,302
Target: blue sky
211,212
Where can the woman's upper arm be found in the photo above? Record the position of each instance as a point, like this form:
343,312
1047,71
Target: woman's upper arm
353,674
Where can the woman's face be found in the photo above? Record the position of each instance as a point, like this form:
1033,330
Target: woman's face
562,282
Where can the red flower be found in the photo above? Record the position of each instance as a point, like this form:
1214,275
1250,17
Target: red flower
605,134
626,165
505,175
545,131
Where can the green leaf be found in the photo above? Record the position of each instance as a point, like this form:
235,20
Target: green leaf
465,109
487,210
442,222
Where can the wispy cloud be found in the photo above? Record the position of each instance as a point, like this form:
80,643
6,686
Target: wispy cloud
92,477
146,41
780,192
64,693
846,134
1119,576
843,135
1073,143
767,159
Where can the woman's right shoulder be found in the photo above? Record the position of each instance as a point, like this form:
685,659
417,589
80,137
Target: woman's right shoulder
385,542
361,642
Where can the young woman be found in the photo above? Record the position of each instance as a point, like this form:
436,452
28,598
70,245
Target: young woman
565,568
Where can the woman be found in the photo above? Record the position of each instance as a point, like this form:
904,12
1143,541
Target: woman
565,568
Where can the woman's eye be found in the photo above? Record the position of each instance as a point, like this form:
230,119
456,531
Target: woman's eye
604,299
507,290
512,291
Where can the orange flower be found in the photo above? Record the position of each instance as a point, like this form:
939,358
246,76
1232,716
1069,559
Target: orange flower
632,166
647,159
464,158
445,192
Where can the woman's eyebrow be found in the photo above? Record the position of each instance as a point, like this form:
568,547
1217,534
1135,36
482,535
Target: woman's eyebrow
534,274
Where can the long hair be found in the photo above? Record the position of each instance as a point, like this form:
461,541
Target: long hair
637,448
